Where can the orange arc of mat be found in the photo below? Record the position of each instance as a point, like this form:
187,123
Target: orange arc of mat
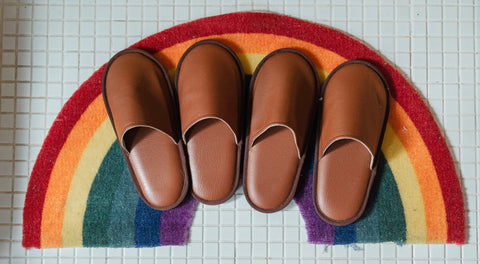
411,139
257,43
63,171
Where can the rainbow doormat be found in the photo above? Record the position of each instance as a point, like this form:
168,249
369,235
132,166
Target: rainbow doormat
80,193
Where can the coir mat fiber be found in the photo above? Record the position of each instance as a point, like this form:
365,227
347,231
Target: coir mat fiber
80,193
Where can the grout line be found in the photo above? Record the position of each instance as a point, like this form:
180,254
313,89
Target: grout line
62,96
167,20
204,7
459,100
476,107
442,115
101,4
13,148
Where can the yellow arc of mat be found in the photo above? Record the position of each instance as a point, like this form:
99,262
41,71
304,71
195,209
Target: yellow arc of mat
408,186
435,214
82,180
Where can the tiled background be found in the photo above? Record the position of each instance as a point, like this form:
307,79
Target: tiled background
49,47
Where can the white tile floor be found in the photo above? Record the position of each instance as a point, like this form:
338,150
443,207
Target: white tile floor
49,47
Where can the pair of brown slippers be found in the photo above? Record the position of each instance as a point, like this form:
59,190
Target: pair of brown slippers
207,130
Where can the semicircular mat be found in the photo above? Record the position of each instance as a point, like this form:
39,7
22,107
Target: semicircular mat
80,193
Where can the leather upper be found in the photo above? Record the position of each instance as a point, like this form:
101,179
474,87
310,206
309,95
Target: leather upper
209,88
283,98
354,108
211,91
141,106
138,97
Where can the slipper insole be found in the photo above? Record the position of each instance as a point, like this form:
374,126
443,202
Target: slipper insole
343,176
213,159
157,165
272,166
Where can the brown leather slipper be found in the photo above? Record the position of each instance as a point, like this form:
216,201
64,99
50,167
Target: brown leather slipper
142,108
282,104
211,93
349,137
